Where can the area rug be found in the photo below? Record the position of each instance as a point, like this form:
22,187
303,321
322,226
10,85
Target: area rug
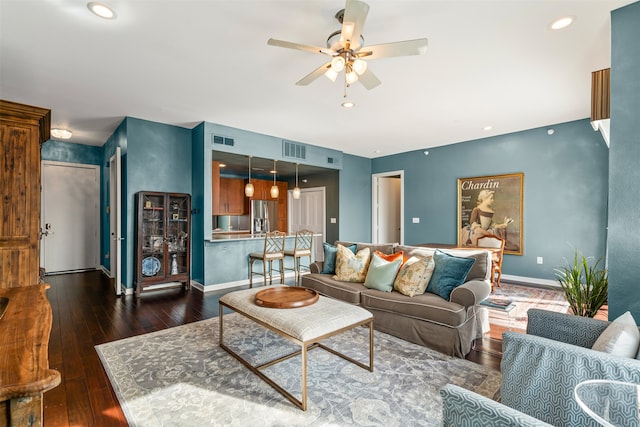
181,377
524,298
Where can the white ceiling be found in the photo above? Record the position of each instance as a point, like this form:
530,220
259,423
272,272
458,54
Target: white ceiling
183,62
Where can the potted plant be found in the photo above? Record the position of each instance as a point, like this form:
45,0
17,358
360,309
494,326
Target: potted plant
585,285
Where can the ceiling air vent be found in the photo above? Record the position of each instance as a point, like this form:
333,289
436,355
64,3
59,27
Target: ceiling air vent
223,140
293,150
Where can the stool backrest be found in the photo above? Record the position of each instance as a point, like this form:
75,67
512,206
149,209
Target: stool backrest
304,240
274,242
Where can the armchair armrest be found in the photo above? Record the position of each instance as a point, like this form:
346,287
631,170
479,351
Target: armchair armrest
471,293
316,267
566,328
464,408
539,375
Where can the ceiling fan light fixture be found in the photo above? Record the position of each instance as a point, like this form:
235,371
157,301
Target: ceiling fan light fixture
360,66
331,74
351,77
337,64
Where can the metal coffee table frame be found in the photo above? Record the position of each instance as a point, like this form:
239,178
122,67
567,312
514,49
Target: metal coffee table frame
305,346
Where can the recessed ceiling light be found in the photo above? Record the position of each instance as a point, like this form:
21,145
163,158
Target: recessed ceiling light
102,10
561,23
61,133
488,127
223,165
348,105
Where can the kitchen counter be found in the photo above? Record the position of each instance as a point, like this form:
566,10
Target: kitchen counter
232,236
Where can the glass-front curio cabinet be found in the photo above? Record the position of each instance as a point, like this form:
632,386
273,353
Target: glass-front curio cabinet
163,231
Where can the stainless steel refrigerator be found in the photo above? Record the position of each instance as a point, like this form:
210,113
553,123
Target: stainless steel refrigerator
264,216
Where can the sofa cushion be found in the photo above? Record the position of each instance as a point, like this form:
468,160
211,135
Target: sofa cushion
382,273
621,338
481,269
414,275
350,267
330,253
427,306
385,248
449,273
325,285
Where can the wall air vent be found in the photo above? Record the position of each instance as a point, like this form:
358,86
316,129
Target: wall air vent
293,151
223,140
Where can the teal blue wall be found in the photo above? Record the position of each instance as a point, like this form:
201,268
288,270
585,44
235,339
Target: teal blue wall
61,151
158,158
624,191
565,191
354,221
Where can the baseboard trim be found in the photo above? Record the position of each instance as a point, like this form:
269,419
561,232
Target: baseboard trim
230,285
531,281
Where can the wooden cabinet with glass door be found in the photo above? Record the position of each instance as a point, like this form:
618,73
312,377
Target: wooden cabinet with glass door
162,237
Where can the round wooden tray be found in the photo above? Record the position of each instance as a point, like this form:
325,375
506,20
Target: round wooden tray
286,297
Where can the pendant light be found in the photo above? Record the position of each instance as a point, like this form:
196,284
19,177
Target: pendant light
275,192
296,189
248,189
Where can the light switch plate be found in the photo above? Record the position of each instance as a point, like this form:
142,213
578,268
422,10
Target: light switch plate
415,220
333,221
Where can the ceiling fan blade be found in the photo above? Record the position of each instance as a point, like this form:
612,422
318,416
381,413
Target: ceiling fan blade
355,13
386,50
302,47
314,75
369,80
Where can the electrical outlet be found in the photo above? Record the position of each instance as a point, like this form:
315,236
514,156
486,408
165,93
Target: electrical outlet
539,260
415,220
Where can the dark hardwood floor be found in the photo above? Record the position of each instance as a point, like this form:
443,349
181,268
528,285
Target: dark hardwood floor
86,312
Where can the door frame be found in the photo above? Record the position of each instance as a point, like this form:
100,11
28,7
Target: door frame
375,179
96,169
115,220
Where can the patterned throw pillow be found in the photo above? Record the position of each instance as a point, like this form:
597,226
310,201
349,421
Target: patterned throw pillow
382,273
449,273
413,277
350,267
330,253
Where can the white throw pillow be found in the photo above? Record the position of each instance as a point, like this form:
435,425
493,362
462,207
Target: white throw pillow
621,338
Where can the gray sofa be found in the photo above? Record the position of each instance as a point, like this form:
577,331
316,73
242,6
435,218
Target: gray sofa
447,326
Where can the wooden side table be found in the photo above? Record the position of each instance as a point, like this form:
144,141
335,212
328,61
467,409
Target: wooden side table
24,359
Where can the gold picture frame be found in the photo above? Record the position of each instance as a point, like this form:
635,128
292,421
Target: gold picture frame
491,205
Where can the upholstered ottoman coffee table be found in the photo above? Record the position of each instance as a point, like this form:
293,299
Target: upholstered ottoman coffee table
305,326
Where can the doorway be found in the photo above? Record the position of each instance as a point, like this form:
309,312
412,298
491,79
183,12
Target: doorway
70,217
309,213
388,207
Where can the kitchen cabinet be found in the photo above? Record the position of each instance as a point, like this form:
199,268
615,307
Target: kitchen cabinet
162,239
227,194
261,189
22,129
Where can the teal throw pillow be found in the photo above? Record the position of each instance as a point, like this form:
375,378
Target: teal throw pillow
449,273
330,253
381,273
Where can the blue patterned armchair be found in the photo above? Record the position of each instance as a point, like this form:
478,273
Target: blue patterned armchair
541,369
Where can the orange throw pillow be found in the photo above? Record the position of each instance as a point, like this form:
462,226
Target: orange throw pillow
392,257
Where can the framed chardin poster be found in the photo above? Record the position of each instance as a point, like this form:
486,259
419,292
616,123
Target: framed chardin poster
491,205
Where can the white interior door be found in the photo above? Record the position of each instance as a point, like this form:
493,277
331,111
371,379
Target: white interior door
388,204
115,220
309,212
70,216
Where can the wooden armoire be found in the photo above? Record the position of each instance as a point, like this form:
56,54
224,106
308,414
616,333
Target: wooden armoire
22,129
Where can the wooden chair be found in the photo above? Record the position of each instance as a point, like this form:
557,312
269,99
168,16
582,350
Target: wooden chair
302,248
273,251
494,242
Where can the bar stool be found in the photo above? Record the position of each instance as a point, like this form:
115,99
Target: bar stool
302,248
273,251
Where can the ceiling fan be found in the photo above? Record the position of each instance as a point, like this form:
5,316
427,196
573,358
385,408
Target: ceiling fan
347,51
